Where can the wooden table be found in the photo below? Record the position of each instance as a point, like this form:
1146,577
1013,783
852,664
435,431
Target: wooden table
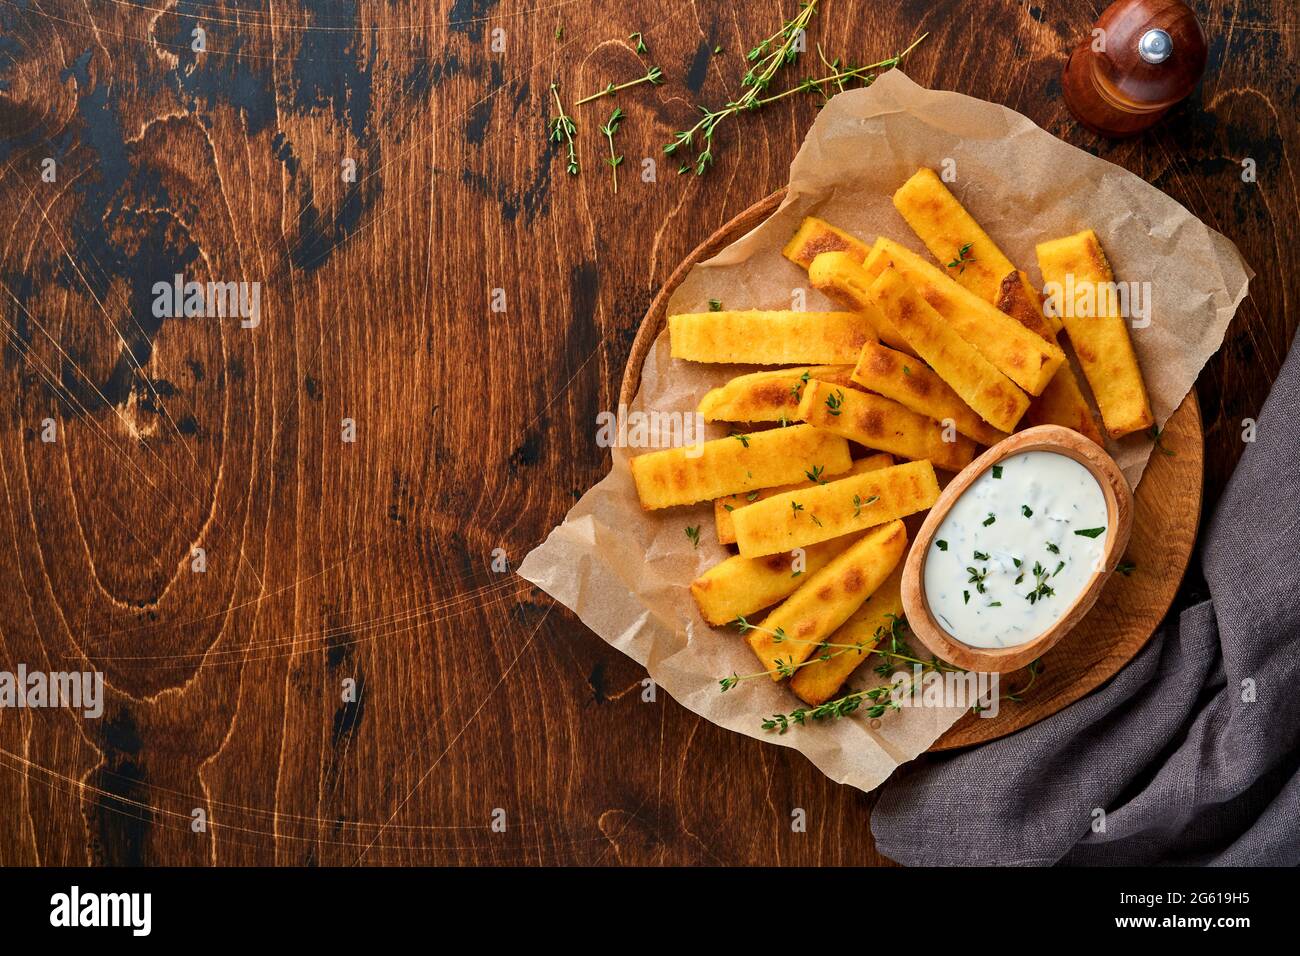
349,679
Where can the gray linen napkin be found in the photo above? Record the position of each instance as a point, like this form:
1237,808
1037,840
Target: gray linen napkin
1190,754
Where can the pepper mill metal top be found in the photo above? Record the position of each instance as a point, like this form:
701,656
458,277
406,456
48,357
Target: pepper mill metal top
1142,57
1155,46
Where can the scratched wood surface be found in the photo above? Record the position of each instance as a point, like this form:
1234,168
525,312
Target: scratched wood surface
369,564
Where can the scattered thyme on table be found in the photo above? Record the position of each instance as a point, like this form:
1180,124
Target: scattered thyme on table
653,75
609,129
768,58
563,130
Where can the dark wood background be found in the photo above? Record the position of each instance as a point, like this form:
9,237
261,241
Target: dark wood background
371,561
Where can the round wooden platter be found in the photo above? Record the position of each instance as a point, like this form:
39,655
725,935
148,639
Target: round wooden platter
1167,509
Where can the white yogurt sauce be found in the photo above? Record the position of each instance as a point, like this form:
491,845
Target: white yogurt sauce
1016,549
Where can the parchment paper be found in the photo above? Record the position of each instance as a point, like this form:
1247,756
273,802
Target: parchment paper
626,573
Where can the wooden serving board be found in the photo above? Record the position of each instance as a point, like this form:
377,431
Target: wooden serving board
1167,509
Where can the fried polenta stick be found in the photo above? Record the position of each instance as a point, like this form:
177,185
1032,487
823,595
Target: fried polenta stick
817,682
725,507
766,396
738,464
816,236
801,518
880,423
788,635
981,386
840,277
1062,402
952,235
740,586
769,338
1012,349
1102,340
915,385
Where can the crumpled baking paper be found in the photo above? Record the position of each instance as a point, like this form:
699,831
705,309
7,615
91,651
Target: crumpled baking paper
626,572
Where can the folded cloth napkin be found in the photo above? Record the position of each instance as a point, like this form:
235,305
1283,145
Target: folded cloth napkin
1189,755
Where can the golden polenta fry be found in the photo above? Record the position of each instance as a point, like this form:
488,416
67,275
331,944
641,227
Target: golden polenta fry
981,386
840,277
738,464
1018,299
801,518
883,424
1062,402
791,633
964,250
816,682
1032,295
1016,352
740,586
1101,338
816,236
766,396
725,507
915,385
769,338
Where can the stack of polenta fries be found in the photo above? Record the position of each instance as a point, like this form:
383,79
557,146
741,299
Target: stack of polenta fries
926,363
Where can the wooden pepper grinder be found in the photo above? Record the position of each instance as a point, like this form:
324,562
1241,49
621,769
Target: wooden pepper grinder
1148,56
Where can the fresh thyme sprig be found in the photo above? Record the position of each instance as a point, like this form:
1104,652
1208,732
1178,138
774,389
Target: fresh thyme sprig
563,129
880,699
640,42
1156,434
653,75
1035,668
769,56
1041,588
787,668
827,649
839,78
609,129
964,258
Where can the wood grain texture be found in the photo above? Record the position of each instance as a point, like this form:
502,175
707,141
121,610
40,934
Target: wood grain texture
371,561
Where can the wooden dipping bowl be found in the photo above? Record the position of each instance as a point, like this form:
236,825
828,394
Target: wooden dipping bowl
1119,524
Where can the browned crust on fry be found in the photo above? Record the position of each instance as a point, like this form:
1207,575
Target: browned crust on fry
1013,299
815,236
